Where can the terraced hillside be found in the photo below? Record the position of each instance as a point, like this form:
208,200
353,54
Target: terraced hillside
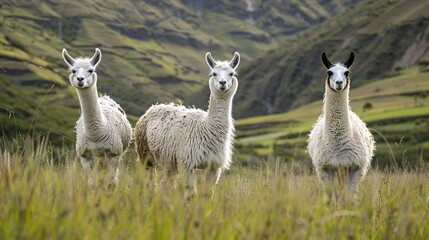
396,109
152,50
386,35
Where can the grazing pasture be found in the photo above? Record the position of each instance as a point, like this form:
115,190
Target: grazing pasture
43,194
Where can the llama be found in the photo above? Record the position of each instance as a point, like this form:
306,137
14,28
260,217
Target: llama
103,129
339,143
174,134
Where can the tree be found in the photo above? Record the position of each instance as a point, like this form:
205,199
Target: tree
367,106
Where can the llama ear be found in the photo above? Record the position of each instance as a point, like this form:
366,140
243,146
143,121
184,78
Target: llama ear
67,58
235,60
210,61
95,60
326,61
350,61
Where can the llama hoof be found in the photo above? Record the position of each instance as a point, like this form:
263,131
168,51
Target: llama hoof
189,196
92,183
111,186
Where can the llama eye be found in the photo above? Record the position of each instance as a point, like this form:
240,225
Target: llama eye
73,71
231,74
214,74
346,73
330,73
90,71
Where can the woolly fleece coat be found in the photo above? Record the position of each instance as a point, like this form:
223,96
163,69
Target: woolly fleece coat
340,137
112,133
193,137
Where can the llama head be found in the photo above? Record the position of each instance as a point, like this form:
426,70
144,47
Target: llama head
82,69
338,74
223,72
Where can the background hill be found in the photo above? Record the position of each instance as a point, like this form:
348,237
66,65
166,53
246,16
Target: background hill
389,84
385,35
153,51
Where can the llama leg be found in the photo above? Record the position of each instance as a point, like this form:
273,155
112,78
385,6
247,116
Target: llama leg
354,179
191,189
327,177
213,175
111,177
148,161
152,176
171,174
88,166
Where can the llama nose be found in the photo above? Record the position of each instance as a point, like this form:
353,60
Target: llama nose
223,82
339,82
80,79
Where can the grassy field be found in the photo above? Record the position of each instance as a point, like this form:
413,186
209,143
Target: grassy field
153,52
43,195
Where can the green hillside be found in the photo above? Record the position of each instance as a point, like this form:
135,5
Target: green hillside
153,51
396,109
386,36
32,111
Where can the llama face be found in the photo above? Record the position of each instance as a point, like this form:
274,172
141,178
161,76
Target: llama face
338,77
338,74
222,75
82,69
223,72
82,74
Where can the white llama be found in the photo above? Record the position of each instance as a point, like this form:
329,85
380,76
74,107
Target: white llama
103,129
174,134
340,143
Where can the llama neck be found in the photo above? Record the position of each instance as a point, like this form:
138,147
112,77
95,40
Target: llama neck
336,109
220,106
93,118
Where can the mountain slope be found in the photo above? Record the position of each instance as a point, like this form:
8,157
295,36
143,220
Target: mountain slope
385,35
153,51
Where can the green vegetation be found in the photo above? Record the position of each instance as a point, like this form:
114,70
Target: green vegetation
33,110
152,51
387,37
397,118
44,195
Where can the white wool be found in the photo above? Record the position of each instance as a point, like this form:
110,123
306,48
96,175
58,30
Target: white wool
340,137
174,134
111,133
103,129
190,136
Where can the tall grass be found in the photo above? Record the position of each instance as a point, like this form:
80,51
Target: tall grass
44,194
